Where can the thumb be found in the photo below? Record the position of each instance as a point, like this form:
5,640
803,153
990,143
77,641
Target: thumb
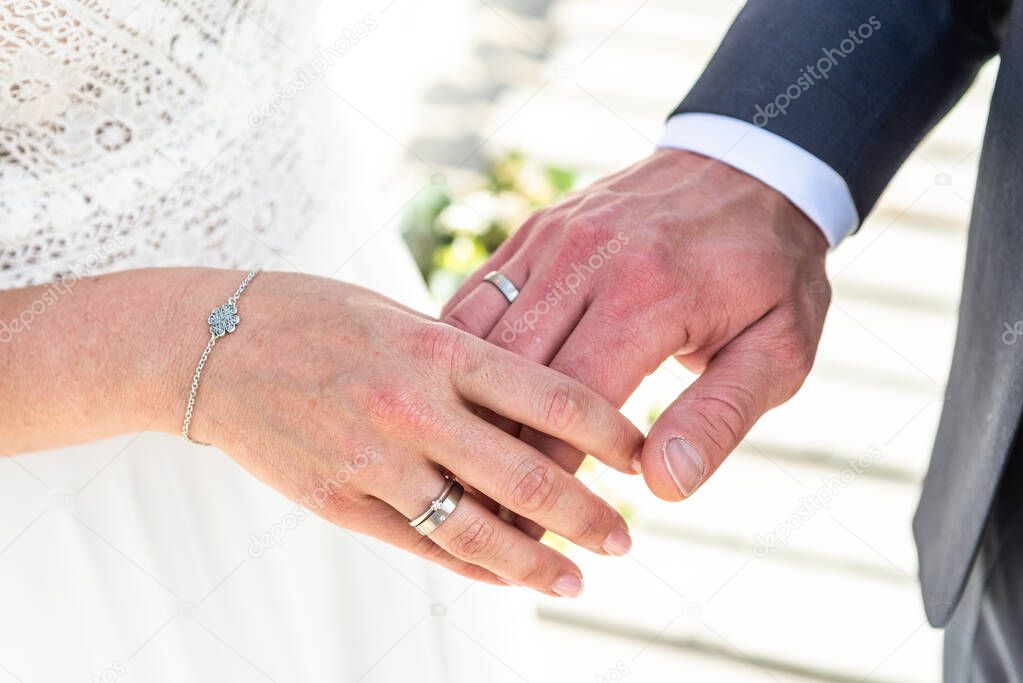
759,369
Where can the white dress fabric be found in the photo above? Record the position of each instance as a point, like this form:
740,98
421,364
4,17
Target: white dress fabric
131,136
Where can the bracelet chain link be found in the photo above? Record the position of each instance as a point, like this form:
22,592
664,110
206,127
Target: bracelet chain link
222,320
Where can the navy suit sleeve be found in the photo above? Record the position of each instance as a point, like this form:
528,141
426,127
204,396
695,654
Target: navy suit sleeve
857,83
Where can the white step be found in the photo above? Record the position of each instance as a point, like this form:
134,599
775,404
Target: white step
572,651
843,623
822,516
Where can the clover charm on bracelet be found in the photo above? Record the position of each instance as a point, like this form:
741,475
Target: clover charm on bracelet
223,320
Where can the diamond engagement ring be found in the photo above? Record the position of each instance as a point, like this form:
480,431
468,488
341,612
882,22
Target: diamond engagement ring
440,509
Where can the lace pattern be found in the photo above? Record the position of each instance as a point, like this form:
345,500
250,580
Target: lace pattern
127,137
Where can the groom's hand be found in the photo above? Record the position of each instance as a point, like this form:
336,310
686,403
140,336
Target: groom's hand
676,255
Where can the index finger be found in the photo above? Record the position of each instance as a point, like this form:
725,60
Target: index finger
584,357
550,402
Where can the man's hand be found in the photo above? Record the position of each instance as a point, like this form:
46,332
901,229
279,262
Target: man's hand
676,255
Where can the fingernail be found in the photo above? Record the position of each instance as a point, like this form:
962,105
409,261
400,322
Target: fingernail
685,465
568,586
637,465
617,542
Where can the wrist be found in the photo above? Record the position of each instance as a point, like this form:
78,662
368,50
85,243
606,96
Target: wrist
240,369
807,181
164,375
105,355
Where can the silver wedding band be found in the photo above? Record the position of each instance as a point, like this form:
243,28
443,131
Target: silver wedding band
503,284
440,509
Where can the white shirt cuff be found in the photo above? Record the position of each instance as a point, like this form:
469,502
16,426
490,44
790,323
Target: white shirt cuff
809,183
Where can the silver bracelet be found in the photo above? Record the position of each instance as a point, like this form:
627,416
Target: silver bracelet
223,320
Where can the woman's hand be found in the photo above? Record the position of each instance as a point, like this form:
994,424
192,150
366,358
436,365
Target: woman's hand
353,405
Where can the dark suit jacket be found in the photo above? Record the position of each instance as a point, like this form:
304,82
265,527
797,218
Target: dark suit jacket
896,67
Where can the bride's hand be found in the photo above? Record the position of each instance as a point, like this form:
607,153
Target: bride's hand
351,404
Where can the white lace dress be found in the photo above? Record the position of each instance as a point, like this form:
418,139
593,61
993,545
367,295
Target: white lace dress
136,134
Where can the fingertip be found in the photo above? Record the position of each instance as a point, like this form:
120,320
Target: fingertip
568,585
685,464
655,472
626,454
617,543
634,461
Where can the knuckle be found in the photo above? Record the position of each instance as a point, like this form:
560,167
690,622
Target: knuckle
596,524
535,487
559,404
586,231
333,503
799,358
796,351
440,345
725,417
583,251
476,539
398,408
534,572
